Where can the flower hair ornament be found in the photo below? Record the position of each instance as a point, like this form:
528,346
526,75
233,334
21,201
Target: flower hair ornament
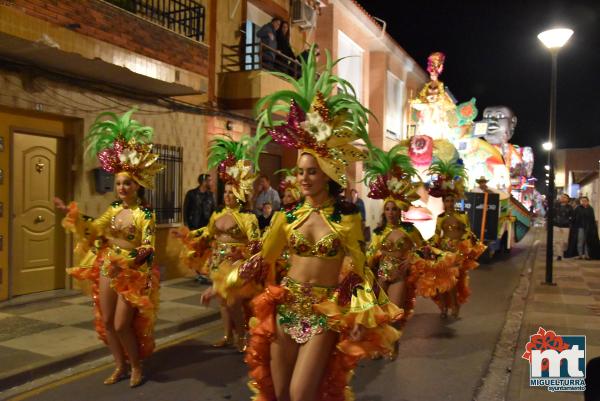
290,183
389,176
448,178
319,122
237,162
123,146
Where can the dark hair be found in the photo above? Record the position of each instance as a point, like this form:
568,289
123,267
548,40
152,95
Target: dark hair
266,177
276,19
267,203
141,194
335,189
285,35
584,197
202,178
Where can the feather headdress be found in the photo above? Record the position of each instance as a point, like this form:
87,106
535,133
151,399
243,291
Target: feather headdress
324,117
389,177
448,178
237,161
123,145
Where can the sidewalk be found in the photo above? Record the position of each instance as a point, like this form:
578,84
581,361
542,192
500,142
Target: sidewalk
40,338
571,307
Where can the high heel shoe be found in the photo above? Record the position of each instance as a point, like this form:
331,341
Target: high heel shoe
136,377
117,375
226,341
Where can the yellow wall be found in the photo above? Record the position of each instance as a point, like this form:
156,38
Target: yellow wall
12,118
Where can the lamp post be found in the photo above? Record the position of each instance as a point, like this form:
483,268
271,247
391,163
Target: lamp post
553,39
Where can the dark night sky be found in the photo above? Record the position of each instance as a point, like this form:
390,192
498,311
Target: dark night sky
493,54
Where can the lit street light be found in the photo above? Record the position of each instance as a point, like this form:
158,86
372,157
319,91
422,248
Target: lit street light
547,167
553,39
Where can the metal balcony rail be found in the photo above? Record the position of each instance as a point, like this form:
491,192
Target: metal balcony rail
257,56
185,17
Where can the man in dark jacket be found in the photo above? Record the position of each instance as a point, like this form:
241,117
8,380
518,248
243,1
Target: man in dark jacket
586,228
268,37
563,214
199,204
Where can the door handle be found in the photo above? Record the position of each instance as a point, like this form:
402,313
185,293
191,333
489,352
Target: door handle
39,219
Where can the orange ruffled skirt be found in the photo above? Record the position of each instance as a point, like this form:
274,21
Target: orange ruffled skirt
140,290
467,255
378,339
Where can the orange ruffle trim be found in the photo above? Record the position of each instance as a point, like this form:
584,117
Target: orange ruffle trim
195,252
140,289
378,339
436,276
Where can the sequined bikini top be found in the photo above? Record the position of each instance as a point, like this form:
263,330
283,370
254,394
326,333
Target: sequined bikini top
234,232
127,232
402,244
452,225
328,247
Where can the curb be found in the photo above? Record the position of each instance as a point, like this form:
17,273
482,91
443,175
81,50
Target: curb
495,382
31,373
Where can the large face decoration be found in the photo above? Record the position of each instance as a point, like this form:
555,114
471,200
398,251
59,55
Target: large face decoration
501,124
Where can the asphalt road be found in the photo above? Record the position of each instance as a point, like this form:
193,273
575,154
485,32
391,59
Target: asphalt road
438,359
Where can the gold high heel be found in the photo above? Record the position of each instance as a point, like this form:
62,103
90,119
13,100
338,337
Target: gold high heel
119,374
136,377
226,341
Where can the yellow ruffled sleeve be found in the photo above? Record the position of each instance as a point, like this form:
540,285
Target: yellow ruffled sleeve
357,301
85,228
261,266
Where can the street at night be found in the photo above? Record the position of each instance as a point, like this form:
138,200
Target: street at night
299,200
438,359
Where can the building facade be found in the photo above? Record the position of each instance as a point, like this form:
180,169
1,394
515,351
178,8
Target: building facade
576,174
192,68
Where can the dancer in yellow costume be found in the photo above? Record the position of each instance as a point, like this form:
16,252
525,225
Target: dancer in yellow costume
117,248
394,252
309,332
453,234
230,237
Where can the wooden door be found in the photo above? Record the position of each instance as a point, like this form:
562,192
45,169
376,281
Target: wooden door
38,247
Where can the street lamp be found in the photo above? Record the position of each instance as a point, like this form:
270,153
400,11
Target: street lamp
553,39
547,146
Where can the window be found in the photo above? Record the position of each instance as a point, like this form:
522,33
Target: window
351,67
394,106
166,198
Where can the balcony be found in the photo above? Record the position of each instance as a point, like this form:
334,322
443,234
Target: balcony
104,44
243,81
184,17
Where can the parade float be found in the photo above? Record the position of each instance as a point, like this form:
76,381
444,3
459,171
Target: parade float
498,172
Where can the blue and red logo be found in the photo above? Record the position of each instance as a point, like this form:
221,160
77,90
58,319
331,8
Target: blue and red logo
556,362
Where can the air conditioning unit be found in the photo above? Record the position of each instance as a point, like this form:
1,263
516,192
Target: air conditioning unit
303,15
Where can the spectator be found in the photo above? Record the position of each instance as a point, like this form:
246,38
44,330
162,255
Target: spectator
199,204
266,194
563,213
264,219
268,37
284,47
360,205
585,231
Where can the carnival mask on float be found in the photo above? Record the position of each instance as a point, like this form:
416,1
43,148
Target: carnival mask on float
501,124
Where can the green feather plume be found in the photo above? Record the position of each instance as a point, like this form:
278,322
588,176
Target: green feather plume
247,148
305,90
450,170
381,163
110,127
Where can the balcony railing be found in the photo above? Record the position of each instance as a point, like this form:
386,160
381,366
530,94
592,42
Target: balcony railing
185,17
257,56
